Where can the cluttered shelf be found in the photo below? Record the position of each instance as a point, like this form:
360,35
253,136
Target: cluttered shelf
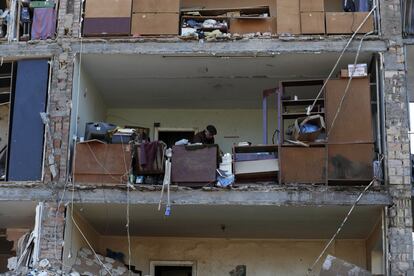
160,18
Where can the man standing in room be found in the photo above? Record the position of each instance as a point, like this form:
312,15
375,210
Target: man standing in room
206,136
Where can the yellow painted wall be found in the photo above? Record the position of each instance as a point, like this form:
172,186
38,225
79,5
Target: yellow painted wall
219,256
87,104
74,240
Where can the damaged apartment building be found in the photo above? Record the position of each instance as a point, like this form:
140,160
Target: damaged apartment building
108,165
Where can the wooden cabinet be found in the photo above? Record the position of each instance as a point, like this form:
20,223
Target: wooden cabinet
297,96
107,17
303,165
98,162
344,152
350,162
194,165
354,121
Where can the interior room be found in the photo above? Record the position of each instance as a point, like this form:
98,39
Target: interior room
13,226
166,96
281,241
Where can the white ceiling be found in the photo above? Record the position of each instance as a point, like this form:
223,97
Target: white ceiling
17,214
197,82
239,221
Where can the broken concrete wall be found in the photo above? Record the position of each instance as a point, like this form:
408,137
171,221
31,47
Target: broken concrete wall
59,111
220,256
397,159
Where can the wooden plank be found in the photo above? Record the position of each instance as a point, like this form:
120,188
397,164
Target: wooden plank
108,8
288,17
155,24
312,5
348,22
171,6
354,120
312,22
106,26
303,165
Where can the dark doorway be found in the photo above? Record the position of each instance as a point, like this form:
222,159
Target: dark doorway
170,137
173,271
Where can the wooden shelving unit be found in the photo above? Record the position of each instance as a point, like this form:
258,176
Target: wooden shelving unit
346,156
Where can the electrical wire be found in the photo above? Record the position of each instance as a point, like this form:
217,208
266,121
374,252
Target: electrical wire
127,207
103,167
348,85
310,108
81,232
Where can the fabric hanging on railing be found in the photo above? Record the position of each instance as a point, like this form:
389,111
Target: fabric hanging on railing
44,23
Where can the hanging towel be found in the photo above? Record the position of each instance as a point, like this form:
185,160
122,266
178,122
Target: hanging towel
44,23
148,154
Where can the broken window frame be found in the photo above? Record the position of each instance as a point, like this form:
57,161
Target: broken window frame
408,17
46,133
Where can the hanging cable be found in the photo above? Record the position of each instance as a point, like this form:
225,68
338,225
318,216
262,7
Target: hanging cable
348,85
344,221
81,232
311,107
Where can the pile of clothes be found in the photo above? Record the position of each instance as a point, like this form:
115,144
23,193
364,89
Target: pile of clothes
204,29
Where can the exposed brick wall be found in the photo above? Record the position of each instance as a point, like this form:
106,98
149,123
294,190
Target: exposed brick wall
52,232
59,111
397,142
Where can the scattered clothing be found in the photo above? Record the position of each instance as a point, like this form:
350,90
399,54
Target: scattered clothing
148,154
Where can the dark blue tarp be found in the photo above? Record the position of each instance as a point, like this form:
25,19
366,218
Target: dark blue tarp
27,129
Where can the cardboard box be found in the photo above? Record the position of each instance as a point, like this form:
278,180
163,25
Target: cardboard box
288,16
155,24
253,25
312,22
172,6
312,5
316,120
108,8
348,22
